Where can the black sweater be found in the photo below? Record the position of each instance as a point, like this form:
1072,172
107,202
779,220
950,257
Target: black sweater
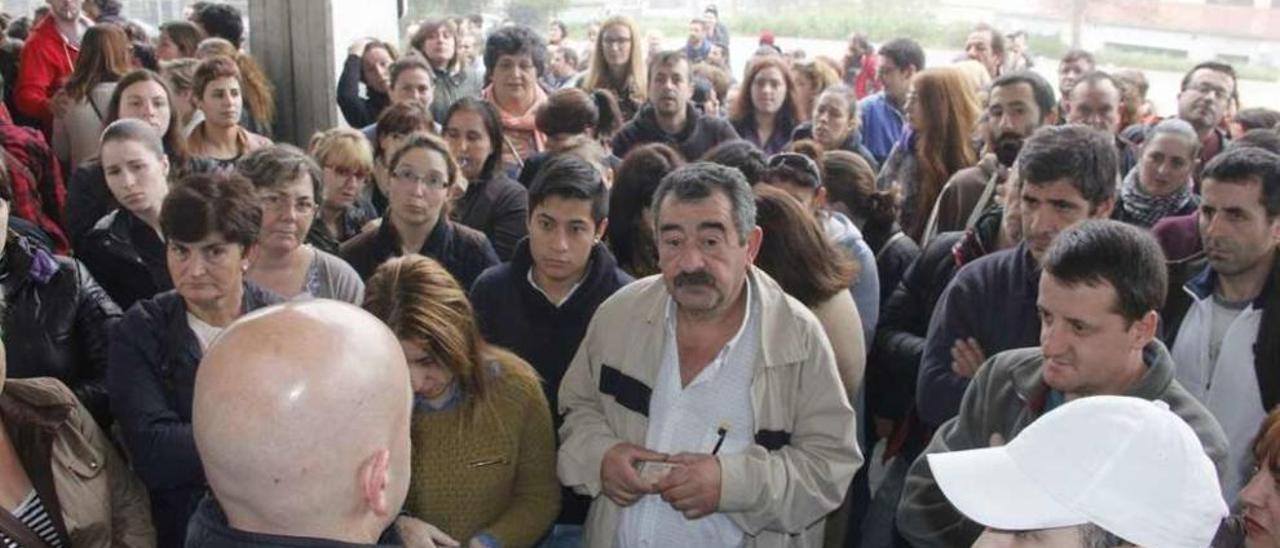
514,315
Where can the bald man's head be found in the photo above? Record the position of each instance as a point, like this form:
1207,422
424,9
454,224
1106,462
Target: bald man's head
301,416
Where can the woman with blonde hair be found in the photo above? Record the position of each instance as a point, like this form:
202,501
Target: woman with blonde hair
811,78
104,58
618,65
484,453
346,163
942,113
259,94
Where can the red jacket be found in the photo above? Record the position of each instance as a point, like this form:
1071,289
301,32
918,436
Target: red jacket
35,178
47,60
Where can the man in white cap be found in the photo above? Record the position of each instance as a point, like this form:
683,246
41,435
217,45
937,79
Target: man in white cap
1096,472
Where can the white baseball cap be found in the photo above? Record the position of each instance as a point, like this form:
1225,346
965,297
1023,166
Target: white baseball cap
1128,465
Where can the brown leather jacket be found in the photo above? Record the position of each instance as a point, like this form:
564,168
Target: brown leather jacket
98,500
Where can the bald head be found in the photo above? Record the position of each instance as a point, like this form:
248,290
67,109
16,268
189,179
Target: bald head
301,415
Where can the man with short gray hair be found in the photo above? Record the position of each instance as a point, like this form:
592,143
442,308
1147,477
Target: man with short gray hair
704,404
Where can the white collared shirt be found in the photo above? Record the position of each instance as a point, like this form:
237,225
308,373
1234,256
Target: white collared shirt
688,419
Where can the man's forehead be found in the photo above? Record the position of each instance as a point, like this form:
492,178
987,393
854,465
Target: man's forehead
976,36
1210,75
1016,91
676,210
1096,90
1058,189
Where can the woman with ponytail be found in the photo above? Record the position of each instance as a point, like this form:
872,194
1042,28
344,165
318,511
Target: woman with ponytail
851,190
492,203
570,117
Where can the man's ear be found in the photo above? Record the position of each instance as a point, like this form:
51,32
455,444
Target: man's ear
602,227
374,477
1144,329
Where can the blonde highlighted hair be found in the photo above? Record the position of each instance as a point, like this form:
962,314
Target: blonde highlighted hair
597,76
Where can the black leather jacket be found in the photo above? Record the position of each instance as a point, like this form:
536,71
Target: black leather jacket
55,322
127,257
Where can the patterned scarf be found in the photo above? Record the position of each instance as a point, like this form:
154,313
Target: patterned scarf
1146,209
521,123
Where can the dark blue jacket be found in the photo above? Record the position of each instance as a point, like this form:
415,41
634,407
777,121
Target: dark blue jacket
993,300
151,377
515,315
464,251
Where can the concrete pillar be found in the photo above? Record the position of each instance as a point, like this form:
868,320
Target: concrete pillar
302,44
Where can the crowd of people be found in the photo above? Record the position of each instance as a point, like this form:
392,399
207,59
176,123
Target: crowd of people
538,294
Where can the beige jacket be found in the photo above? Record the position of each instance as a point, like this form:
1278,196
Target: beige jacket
806,452
103,504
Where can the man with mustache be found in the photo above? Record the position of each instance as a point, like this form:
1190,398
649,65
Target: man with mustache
669,117
1219,319
1018,105
1068,175
704,403
1098,300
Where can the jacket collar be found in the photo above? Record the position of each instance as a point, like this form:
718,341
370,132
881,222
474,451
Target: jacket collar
779,330
436,240
647,119
601,265
211,530
1202,285
1028,376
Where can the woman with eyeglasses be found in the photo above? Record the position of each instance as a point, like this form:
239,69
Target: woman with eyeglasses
618,65
422,173
346,160
287,182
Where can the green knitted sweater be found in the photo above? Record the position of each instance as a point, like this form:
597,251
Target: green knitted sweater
488,466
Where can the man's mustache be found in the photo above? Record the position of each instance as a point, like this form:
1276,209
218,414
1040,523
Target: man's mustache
697,277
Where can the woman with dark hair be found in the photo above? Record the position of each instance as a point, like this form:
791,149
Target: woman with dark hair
514,60
437,41
220,137
368,61
492,203
942,113
484,454
836,124
346,160
851,190
556,32
288,182
178,40
764,112
141,95
618,65
569,117
423,172
210,224
796,253
631,235
124,250
396,124
742,156
104,59
259,112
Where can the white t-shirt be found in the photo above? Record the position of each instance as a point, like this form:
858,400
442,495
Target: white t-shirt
205,333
